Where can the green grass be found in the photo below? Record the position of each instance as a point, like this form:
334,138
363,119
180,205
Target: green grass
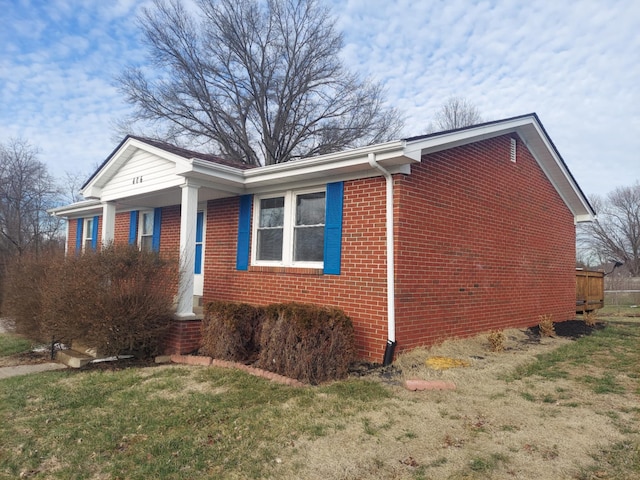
614,350
180,422
170,423
12,344
618,311
607,362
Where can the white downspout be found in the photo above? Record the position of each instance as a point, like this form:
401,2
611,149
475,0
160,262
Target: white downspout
391,288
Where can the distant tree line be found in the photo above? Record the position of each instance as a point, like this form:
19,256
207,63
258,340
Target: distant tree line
614,237
27,190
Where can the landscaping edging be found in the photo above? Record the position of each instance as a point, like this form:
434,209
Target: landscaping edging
419,385
214,362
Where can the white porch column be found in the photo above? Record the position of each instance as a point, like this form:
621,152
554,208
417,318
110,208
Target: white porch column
108,222
188,216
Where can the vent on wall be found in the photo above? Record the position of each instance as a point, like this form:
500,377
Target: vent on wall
513,150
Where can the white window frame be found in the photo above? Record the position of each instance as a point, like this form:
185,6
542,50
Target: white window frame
87,234
141,214
287,230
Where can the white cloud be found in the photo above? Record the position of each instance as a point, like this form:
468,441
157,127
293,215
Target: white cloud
574,63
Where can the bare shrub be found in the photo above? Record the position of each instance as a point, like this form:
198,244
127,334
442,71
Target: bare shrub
117,300
546,326
310,343
136,302
590,318
231,331
22,300
496,340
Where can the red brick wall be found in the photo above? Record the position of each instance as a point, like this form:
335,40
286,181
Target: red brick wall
169,233
121,228
360,290
482,243
72,229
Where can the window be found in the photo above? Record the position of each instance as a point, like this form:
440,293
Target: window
289,229
88,243
145,229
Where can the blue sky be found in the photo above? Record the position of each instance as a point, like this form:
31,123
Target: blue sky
575,63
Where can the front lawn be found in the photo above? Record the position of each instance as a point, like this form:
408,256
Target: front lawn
554,409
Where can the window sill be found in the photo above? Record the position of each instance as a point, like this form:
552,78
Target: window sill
287,270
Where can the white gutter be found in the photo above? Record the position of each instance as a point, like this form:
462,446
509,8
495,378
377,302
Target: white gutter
391,284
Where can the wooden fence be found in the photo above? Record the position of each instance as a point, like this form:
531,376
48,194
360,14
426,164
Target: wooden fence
589,290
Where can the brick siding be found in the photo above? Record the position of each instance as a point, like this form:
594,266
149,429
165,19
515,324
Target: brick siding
482,243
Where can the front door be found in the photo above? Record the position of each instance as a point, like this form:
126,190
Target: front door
198,272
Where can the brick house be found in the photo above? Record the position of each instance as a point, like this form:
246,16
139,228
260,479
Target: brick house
447,234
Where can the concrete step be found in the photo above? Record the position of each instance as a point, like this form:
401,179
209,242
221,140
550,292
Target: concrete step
81,347
73,359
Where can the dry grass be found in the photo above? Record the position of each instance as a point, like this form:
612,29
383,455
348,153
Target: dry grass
487,428
590,318
544,408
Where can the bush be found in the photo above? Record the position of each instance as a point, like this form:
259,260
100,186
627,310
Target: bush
496,340
117,300
22,293
310,343
546,326
231,331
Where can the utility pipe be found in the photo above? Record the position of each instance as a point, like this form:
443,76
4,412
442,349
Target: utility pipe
391,288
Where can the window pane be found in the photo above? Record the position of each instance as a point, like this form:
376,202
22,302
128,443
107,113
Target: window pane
308,244
146,244
88,229
272,212
270,244
147,224
310,209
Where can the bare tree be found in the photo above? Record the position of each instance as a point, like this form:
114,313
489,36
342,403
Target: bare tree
27,190
456,112
615,235
71,184
257,81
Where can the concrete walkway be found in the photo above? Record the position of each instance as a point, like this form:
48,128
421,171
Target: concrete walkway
16,370
6,372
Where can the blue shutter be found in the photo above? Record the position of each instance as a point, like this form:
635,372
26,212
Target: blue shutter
133,227
333,228
94,233
199,231
79,235
244,232
157,221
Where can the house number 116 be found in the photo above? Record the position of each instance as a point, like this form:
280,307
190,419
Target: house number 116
137,180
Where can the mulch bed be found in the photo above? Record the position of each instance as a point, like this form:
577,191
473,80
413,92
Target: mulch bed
573,329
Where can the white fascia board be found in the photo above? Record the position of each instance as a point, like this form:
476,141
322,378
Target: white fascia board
79,209
448,140
212,174
556,171
338,165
